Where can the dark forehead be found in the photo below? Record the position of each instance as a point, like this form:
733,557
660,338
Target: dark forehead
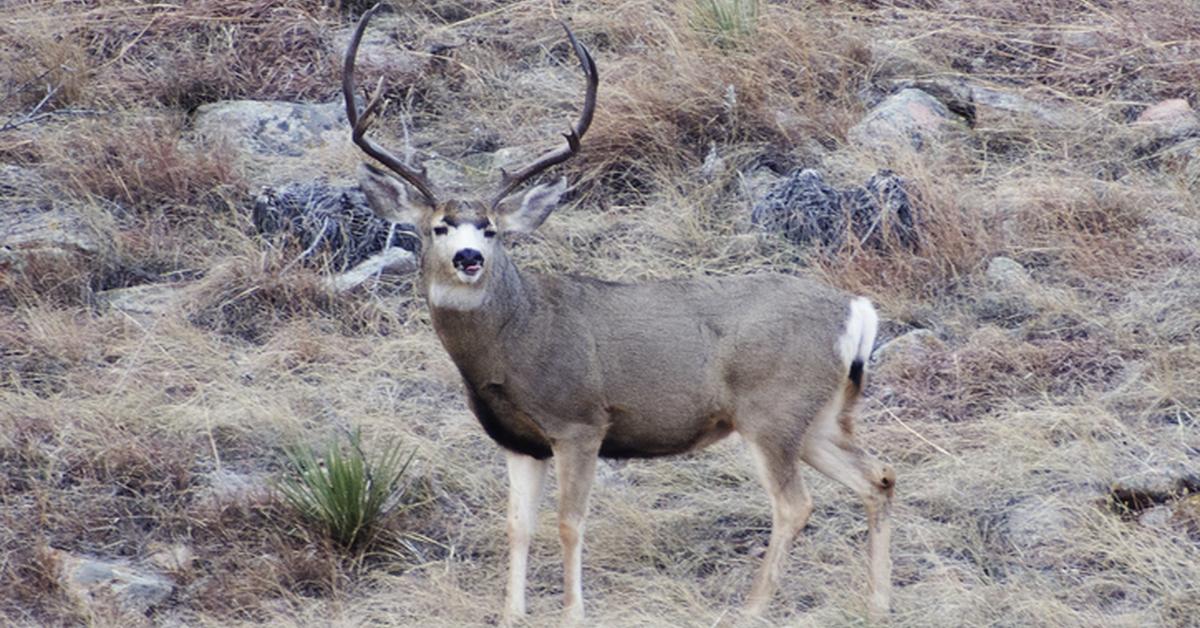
464,211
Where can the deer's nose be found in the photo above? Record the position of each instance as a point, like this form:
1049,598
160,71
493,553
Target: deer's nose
469,261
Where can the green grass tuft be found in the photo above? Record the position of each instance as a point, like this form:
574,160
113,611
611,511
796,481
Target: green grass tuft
729,23
345,491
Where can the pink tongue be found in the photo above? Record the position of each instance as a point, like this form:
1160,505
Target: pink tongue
472,269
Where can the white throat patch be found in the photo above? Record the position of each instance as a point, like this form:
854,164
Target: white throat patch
456,296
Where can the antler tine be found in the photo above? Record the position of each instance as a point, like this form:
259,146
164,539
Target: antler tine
360,124
508,182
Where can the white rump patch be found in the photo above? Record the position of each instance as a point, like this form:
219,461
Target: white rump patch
857,341
456,296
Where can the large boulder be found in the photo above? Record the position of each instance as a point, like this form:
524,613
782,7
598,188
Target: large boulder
275,142
809,211
910,117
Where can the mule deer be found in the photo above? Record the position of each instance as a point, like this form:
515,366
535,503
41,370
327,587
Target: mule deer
572,368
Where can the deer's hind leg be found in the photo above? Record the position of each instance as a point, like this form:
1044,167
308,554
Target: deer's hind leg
777,464
829,446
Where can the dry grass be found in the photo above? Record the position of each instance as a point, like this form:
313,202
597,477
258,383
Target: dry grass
115,431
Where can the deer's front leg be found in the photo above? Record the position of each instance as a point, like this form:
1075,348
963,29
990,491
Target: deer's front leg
575,463
525,479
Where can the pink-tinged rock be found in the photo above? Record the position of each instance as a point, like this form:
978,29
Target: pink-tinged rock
1168,111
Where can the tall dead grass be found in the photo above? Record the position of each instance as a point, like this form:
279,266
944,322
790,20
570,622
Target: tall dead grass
115,431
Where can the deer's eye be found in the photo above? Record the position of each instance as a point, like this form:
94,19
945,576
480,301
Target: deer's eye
489,233
441,230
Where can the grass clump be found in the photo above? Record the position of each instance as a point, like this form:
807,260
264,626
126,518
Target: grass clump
729,23
345,490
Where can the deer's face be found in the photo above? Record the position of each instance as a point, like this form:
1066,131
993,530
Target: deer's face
460,243
460,252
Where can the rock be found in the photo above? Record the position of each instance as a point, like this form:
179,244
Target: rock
1155,517
1186,513
976,102
380,52
227,486
273,128
32,220
909,117
111,588
993,103
175,558
1166,134
143,303
1007,273
916,341
392,260
329,225
1006,308
1038,529
1172,111
277,142
807,210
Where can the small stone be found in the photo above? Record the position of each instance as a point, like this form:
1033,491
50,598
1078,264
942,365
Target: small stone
172,558
913,342
1155,517
1007,273
143,303
1186,513
1171,111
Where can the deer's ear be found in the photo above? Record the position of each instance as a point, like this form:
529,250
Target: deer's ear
388,197
535,207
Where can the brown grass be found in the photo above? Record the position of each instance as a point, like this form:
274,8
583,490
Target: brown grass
1008,438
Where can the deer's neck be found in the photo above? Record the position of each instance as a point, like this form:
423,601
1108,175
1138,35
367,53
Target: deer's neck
473,336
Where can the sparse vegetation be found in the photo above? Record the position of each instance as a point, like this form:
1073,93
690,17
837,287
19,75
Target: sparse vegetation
343,489
1019,436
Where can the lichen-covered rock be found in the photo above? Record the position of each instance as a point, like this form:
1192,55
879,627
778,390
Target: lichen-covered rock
273,128
111,589
329,225
809,211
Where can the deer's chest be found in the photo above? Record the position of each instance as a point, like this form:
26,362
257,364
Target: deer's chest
506,423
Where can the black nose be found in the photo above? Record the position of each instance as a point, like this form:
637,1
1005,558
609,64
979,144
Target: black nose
467,258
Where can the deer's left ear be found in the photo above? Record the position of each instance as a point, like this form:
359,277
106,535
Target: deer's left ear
535,207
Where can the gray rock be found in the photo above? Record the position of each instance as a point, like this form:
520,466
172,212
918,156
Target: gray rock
915,341
1007,273
33,220
990,102
1039,530
112,586
227,486
909,117
973,101
143,303
1166,133
807,210
272,129
329,225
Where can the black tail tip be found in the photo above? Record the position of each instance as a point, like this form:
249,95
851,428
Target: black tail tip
856,373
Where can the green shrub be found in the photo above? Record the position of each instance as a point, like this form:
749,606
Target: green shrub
345,491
